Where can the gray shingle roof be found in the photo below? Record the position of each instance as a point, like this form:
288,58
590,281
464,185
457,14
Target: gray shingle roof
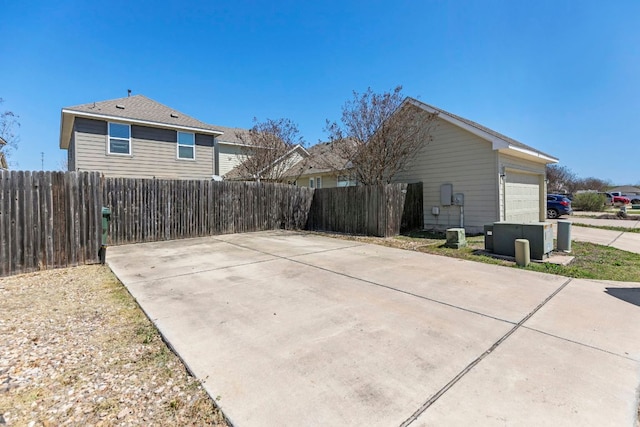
322,158
230,134
139,107
480,127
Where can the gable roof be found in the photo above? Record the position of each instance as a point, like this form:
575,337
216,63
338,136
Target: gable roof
230,135
136,109
237,173
499,141
323,158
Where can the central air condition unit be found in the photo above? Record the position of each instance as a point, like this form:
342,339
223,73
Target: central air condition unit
539,235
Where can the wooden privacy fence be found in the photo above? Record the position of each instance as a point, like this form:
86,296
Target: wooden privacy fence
48,219
53,219
413,213
366,210
147,210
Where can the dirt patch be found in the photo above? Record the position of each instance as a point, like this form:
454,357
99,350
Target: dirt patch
77,350
619,216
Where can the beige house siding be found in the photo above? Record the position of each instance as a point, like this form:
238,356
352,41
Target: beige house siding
509,166
467,162
294,158
153,153
328,181
229,156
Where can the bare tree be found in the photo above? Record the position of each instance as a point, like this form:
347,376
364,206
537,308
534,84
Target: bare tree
270,150
560,179
8,128
379,134
592,183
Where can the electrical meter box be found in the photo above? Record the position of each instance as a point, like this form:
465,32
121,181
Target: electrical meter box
446,193
539,235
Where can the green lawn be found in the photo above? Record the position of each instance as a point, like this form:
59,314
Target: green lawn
606,227
591,261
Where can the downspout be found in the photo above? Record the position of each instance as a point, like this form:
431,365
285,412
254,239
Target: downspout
216,157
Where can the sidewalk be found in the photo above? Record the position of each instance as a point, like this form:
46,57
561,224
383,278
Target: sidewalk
623,223
626,241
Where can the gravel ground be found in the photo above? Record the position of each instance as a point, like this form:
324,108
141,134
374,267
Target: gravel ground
77,350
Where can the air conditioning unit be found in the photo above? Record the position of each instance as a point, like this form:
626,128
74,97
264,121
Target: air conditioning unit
539,235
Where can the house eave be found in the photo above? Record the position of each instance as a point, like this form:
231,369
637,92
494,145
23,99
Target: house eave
497,144
68,116
525,154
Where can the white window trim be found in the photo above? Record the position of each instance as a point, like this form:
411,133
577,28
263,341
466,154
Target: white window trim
312,183
350,181
178,145
109,138
318,182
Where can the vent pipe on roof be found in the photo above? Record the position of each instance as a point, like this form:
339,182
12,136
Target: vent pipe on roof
128,93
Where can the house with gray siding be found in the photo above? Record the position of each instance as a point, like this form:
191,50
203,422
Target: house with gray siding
137,137
496,177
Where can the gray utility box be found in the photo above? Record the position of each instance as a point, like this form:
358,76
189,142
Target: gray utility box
539,235
488,237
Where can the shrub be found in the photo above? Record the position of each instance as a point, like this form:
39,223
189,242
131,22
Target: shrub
589,202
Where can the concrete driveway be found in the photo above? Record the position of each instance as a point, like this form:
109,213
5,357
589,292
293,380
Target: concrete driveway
290,329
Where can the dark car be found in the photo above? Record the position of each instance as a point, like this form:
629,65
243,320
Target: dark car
558,205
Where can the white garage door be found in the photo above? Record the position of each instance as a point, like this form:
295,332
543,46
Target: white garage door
522,197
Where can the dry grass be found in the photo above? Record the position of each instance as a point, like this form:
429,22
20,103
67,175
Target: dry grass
77,350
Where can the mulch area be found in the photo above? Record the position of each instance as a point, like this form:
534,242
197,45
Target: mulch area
77,350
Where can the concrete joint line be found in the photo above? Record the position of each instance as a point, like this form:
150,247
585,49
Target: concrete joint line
580,344
203,271
617,237
391,288
469,367
287,258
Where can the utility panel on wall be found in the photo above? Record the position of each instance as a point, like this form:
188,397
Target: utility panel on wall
446,192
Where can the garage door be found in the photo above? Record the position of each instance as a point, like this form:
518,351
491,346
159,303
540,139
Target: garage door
522,197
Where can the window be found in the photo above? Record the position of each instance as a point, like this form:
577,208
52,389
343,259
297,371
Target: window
346,181
119,139
311,183
318,182
186,145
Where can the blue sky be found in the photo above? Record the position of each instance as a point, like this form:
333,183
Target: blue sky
561,76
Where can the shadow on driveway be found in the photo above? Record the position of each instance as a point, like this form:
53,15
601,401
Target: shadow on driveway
630,295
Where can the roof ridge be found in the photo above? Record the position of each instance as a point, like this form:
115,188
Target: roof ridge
480,127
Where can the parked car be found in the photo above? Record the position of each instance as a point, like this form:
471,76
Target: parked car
613,199
558,205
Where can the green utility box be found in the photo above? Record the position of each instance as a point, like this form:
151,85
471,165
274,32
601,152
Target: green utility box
539,235
106,218
456,238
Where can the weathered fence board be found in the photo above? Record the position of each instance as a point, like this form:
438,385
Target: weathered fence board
144,210
47,220
53,219
370,210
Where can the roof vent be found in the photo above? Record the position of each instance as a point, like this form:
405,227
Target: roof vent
174,115
120,106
